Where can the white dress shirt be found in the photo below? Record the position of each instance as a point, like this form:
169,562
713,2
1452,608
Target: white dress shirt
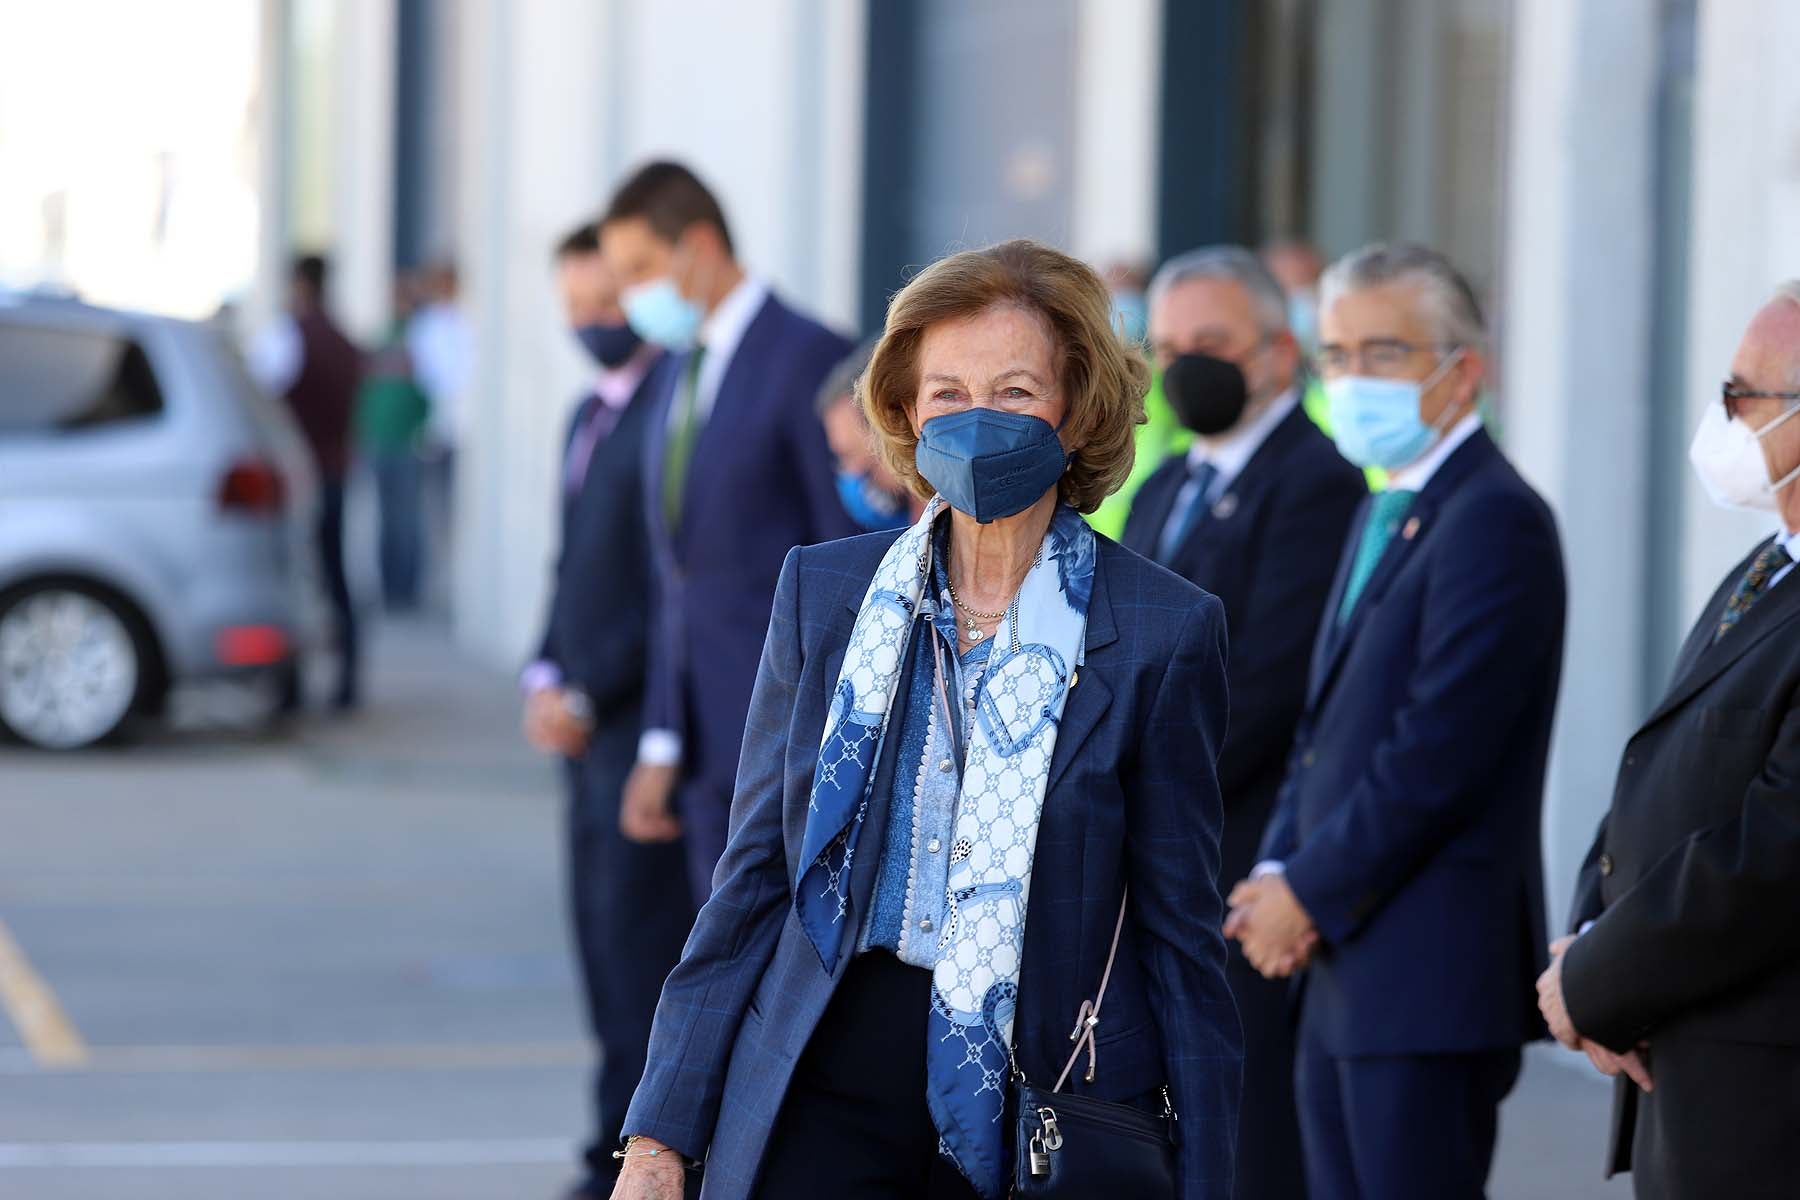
721,333
1791,542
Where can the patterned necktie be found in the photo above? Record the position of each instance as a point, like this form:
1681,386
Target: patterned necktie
1753,586
1190,502
682,436
1385,512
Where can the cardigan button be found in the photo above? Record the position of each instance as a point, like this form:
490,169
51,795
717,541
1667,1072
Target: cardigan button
925,925
933,846
1606,864
946,766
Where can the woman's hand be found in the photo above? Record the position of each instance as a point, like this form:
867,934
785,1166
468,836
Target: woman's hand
647,1176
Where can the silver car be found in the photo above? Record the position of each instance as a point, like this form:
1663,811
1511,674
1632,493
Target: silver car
155,511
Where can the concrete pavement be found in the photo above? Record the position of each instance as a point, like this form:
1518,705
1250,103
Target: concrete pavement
333,963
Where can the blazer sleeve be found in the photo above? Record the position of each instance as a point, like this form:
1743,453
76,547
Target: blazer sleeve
548,650
1271,646
1172,866
1716,911
704,999
1492,612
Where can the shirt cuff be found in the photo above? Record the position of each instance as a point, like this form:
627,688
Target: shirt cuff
540,675
659,748
1268,866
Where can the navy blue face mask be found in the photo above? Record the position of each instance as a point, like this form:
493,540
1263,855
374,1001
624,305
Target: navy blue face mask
988,463
610,345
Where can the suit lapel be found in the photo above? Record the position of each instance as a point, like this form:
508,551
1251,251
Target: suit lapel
723,426
1243,493
1089,695
1417,526
1710,660
1325,644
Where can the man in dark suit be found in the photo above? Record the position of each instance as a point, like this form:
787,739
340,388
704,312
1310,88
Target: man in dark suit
584,697
1404,859
1255,513
737,472
1682,974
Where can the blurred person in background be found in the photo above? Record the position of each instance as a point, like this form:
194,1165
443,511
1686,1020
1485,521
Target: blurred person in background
1256,513
977,793
391,412
584,695
306,359
872,495
738,472
1161,434
1296,266
1403,868
1681,977
442,347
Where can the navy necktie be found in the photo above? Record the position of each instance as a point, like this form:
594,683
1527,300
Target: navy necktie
1190,502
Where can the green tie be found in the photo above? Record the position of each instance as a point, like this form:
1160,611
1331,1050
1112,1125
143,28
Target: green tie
1754,584
681,439
1385,512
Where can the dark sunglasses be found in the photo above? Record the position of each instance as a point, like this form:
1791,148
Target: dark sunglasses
1730,394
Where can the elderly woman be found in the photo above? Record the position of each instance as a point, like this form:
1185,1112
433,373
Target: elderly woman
976,805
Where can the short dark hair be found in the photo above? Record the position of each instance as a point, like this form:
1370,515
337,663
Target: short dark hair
583,239
311,269
671,198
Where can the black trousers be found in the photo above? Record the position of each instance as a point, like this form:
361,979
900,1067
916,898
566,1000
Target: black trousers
337,587
631,914
854,1125
1269,1162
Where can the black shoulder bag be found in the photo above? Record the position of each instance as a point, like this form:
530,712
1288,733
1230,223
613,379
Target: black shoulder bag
1072,1146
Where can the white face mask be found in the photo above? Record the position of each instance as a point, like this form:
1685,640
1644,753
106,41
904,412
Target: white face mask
1727,456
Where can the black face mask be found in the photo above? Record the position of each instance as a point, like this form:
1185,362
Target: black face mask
610,345
1208,394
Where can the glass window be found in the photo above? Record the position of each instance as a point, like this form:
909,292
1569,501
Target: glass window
62,379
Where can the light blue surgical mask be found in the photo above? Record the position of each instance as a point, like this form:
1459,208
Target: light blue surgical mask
658,312
872,507
1376,422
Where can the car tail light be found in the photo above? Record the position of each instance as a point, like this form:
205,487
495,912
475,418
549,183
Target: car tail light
252,645
252,486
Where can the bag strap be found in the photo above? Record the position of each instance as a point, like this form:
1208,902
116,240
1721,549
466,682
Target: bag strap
1088,1019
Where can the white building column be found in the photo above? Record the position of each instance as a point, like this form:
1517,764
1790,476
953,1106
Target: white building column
1118,85
1745,235
1575,300
274,166
362,164
531,81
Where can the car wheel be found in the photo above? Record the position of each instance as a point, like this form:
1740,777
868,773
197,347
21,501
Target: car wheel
71,665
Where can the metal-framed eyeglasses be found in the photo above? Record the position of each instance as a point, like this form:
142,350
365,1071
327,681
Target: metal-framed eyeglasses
1377,356
1732,394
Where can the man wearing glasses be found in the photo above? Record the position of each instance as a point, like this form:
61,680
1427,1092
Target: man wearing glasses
1402,868
1681,974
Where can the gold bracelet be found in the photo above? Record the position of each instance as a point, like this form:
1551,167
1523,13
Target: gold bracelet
634,1139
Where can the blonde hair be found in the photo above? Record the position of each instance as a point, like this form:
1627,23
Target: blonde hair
1102,376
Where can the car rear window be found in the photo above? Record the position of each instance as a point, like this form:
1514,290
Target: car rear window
58,379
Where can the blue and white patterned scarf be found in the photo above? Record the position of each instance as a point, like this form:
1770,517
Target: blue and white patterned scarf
975,986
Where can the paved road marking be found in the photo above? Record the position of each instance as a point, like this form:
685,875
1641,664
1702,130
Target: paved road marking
389,1057
470,1153
43,1026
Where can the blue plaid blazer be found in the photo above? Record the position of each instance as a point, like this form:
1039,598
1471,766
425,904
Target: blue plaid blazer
1132,797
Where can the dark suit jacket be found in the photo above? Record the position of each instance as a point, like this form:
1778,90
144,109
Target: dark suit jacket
1132,797
761,481
1409,821
1267,548
598,628
1694,879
